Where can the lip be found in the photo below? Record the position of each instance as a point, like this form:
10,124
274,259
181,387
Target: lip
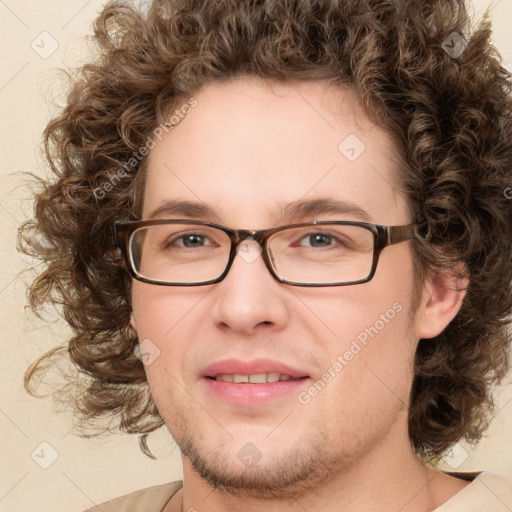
249,394
238,367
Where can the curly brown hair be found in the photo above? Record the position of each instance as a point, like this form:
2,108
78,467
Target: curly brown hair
450,117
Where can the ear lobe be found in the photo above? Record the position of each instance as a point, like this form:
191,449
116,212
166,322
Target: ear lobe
133,325
442,299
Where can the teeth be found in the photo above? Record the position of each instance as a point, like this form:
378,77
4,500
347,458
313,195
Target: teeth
225,377
259,378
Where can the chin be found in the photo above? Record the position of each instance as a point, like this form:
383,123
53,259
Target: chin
266,469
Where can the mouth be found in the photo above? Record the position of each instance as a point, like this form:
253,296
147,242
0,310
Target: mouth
253,383
257,378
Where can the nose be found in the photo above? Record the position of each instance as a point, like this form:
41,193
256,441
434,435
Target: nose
249,299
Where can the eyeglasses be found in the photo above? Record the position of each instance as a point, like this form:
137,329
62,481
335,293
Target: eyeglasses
194,253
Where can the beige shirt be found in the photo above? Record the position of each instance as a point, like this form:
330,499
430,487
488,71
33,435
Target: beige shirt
488,492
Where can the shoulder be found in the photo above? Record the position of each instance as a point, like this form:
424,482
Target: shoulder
487,491
150,499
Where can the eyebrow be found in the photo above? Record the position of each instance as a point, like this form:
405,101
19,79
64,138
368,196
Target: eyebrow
323,206
297,210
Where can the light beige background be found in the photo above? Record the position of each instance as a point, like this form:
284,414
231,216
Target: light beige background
90,471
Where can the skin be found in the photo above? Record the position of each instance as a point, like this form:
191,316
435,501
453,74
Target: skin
247,147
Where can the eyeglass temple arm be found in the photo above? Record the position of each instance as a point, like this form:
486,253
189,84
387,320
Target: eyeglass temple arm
397,234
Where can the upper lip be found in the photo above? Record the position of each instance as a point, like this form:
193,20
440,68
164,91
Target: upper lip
253,367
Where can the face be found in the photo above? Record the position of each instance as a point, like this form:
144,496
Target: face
248,150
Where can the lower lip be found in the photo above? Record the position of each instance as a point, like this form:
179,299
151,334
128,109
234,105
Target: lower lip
247,394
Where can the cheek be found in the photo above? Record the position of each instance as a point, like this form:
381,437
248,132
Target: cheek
366,385
157,320
158,316
374,314
170,322
370,351
157,310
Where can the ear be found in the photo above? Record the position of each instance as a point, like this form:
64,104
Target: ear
443,293
133,325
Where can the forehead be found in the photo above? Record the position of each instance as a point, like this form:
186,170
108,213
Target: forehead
248,150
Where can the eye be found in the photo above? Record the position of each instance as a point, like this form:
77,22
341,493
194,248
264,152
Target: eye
317,239
189,241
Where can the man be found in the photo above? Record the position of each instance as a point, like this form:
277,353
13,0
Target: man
282,230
